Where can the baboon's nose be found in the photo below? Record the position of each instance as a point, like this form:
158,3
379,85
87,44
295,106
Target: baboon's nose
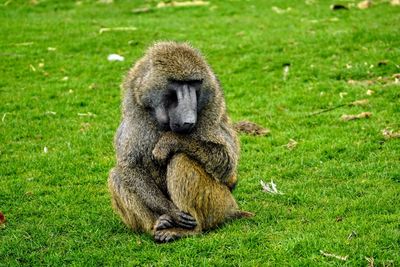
188,126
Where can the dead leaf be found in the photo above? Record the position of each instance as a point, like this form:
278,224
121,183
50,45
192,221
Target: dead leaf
115,57
343,258
362,82
251,128
370,92
45,150
4,117
364,4
292,144
279,10
339,219
352,235
360,102
335,7
2,218
88,114
117,29
395,2
371,261
182,4
362,115
286,68
50,113
389,134
386,80
270,187
141,10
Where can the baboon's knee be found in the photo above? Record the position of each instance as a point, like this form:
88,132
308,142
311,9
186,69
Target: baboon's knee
196,192
185,171
132,211
114,186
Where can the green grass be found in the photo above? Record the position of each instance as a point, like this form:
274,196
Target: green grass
341,177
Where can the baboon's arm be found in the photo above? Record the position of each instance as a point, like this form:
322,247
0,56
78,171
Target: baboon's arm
140,183
215,158
218,158
137,181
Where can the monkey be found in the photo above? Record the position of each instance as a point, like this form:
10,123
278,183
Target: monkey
176,150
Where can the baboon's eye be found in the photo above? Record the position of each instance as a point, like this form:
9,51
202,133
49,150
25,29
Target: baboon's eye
171,98
195,83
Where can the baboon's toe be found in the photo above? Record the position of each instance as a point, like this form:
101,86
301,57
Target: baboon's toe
167,235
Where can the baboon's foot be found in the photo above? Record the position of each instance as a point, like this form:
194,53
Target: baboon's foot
171,234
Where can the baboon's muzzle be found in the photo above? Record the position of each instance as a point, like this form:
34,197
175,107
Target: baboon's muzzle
183,117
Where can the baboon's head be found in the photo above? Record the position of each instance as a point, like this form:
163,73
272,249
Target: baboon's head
173,83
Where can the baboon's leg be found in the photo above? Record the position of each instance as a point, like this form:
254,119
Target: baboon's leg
131,209
193,191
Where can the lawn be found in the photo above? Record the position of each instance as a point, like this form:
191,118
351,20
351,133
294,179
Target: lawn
280,63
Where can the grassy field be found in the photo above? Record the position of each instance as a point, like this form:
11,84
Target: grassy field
60,107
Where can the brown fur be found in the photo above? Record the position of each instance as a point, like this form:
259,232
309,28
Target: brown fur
160,174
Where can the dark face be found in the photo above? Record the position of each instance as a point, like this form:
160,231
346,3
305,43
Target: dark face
177,107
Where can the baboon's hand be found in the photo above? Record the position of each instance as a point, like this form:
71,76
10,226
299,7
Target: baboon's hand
184,220
164,222
165,147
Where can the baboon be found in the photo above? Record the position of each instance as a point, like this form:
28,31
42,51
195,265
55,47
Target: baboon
177,152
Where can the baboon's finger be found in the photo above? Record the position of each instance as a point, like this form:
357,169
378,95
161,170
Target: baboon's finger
164,222
186,221
186,216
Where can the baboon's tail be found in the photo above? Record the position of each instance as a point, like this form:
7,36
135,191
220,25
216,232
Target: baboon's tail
242,214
